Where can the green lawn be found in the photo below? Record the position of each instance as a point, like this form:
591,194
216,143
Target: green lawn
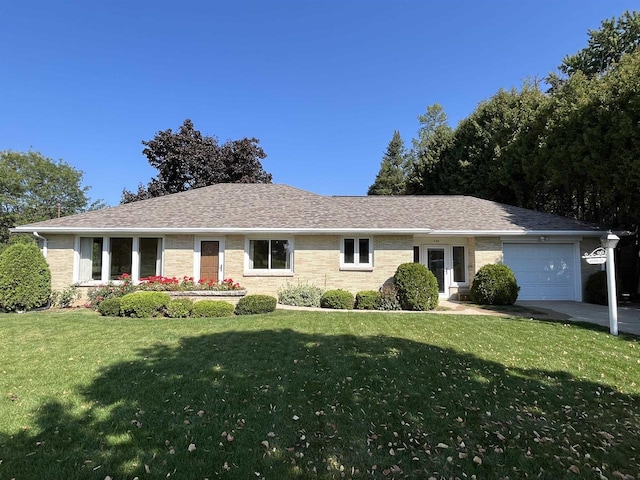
315,395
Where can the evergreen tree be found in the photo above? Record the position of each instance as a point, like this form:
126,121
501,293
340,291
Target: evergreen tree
391,179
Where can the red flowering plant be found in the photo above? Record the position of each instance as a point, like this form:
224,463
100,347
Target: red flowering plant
120,288
160,283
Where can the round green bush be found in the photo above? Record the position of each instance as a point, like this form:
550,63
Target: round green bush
179,308
25,279
212,308
110,307
416,286
338,299
252,304
596,288
144,304
494,284
367,300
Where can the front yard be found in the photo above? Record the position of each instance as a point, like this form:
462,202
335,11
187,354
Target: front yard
315,395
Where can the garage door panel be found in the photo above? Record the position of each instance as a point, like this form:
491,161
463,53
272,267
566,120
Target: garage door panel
543,272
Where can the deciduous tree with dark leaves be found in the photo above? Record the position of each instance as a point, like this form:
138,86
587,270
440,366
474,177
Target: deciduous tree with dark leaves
187,159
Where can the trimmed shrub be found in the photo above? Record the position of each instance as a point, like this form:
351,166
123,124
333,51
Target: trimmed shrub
110,307
212,308
179,308
301,295
252,304
25,279
144,304
367,300
494,284
596,290
416,286
338,299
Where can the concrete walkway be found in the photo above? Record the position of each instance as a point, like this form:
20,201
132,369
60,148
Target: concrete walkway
628,314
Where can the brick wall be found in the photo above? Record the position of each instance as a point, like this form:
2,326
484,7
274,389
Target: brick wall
487,250
178,256
317,261
60,260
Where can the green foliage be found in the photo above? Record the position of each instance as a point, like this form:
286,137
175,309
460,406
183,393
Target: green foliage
417,287
212,308
186,159
110,307
300,295
494,284
391,177
65,297
337,299
596,289
110,290
34,187
367,300
179,308
389,297
25,279
252,304
606,46
144,304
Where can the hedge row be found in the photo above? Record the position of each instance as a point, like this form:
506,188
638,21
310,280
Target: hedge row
149,304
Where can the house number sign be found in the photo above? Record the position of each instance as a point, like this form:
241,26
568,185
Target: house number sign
597,257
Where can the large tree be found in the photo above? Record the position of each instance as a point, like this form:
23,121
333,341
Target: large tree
187,159
434,135
34,187
391,177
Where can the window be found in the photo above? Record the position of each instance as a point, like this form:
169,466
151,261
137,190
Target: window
356,253
90,259
416,254
459,271
121,260
270,255
107,258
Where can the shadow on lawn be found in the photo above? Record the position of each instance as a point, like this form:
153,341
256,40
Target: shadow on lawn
284,404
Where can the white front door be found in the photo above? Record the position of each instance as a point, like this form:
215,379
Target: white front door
448,263
435,263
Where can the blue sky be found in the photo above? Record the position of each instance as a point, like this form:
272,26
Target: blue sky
322,84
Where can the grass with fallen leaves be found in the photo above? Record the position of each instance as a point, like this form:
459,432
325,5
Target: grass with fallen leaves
315,395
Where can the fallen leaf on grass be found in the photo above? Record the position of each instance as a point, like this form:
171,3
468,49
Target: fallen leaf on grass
192,447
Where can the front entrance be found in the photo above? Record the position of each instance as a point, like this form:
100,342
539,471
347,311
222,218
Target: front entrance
209,260
448,263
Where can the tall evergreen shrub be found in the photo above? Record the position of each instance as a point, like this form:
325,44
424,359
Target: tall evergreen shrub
25,279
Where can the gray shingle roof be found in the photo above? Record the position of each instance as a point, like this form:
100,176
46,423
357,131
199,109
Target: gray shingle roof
251,207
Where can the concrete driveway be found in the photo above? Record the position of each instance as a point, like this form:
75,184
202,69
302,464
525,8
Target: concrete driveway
628,314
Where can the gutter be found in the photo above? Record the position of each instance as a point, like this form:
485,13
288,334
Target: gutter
44,243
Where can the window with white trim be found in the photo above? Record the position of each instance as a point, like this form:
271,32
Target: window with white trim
356,253
108,258
270,255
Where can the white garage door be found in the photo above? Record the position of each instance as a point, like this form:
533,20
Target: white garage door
543,271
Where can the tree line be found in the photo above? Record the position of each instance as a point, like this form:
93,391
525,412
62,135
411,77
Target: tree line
572,149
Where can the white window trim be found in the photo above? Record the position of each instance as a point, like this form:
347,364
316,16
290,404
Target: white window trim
197,247
356,266
106,259
250,272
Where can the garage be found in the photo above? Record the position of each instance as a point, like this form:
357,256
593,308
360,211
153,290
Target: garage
544,271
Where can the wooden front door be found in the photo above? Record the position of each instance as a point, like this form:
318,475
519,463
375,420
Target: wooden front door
209,260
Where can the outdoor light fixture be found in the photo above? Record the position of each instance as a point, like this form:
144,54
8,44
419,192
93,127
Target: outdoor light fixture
609,243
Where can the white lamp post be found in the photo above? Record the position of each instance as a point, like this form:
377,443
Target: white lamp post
609,243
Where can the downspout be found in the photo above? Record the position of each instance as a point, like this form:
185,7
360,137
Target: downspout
44,243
